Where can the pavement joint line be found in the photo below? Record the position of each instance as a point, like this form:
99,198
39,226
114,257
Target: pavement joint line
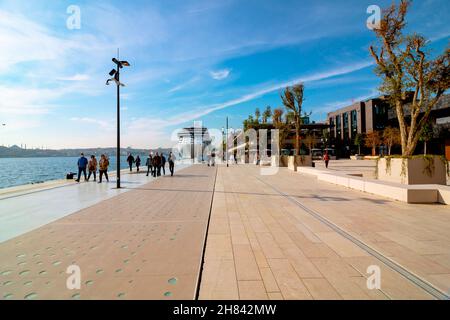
415,279
205,239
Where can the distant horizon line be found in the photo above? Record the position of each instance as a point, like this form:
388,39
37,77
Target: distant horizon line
80,148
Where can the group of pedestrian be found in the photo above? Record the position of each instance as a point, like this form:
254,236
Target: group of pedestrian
132,160
156,163
91,165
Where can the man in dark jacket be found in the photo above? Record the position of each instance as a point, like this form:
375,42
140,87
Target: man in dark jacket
149,164
171,163
82,164
130,161
156,165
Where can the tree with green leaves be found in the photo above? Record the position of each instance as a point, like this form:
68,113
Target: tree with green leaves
426,135
359,140
411,78
292,98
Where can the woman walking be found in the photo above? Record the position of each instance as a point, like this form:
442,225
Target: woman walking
104,163
326,158
92,166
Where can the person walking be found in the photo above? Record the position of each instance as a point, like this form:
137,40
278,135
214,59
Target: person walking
156,165
149,164
130,161
82,164
138,162
213,158
326,158
171,163
163,163
103,167
92,166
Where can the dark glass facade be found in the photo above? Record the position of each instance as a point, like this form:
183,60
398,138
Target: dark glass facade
354,123
346,125
338,126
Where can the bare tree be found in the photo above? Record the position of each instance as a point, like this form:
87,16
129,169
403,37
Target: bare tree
413,81
277,117
292,98
310,141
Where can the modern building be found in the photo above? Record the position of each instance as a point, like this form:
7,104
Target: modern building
360,117
375,115
287,140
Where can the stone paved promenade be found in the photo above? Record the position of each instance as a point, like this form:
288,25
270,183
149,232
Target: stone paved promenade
266,239
146,243
261,245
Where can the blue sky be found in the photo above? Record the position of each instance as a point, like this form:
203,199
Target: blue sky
191,60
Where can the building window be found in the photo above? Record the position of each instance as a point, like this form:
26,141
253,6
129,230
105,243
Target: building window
354,122
379,117
332,128
346,126
338,126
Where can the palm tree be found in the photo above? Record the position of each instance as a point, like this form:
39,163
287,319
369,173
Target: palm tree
257,115
292,98
266,114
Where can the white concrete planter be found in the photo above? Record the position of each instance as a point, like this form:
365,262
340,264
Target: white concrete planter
299,161
412,171
356,157
279,161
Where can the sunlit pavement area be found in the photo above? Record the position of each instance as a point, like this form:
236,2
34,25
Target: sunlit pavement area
146,243
284,236
25,208
264,243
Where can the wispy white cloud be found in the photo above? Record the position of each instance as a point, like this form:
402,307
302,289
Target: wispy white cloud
269,89
101,123
160,124
221,74
76,77
183,85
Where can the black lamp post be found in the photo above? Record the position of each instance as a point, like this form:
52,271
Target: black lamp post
116,78
226,137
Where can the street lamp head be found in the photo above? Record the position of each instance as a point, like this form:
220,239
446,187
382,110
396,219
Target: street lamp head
112,72
121,64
